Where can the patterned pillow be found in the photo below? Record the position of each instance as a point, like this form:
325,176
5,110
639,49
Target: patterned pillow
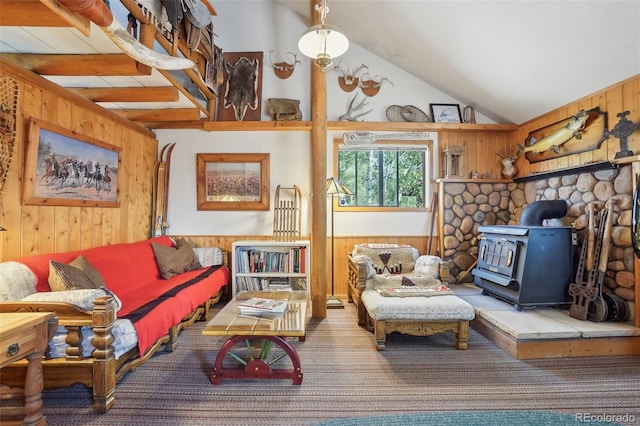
173,261
67,277
389,258
94,275
208,256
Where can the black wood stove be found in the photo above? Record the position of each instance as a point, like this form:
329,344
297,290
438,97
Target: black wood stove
527,265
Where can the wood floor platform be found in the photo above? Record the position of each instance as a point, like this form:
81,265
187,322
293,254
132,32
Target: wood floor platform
546,332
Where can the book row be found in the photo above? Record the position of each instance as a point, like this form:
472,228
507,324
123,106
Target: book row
251,260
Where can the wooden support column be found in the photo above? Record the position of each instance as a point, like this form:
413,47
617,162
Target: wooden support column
318,183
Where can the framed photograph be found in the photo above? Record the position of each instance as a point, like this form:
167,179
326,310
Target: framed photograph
232,181
446,113
64,168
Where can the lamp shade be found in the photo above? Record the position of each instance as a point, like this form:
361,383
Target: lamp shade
334,186
323,42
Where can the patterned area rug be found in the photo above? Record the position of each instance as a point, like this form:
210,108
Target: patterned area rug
345,377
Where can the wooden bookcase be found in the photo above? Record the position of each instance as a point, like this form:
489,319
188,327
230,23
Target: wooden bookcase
270,265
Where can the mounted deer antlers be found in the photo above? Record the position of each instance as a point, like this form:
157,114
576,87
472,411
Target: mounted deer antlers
371,87
509,170
283,69
348,81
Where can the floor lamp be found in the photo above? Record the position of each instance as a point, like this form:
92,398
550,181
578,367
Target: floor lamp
334,188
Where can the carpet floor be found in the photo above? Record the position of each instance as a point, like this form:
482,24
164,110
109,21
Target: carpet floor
345,377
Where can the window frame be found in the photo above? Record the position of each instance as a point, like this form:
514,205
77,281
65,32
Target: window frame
427,144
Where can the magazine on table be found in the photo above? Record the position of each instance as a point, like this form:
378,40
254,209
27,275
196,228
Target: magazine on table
261,305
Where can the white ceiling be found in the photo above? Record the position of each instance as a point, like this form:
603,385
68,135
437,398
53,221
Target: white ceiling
513,59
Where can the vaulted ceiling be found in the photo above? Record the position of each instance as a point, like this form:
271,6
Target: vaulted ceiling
514,60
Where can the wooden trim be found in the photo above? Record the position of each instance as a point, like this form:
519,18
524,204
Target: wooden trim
19,73
557,348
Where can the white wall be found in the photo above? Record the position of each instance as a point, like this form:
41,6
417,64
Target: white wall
247,26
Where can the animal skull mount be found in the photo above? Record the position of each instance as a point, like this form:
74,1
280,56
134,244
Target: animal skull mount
508,170
347,80
371,86
283,69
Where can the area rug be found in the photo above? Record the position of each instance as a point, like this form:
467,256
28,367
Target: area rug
512,418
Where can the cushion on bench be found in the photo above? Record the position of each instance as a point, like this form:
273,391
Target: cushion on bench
438,308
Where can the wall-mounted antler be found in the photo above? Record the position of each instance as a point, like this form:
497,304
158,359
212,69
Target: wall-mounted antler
283,69
371,86
349,115
348,81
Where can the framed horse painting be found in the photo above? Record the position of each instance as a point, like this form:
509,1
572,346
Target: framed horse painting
64,168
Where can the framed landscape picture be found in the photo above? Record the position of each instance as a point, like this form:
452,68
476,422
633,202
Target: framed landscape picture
446,113
232,181
64,168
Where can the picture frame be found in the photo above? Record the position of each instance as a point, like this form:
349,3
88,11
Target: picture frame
446,113
232,181
65,168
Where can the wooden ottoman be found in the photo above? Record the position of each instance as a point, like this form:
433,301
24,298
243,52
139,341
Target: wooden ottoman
417,316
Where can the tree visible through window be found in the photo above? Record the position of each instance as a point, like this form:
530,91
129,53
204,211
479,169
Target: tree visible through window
384,176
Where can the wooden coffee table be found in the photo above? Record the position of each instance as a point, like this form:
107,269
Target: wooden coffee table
250,347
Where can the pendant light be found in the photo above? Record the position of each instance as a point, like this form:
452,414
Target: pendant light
323,42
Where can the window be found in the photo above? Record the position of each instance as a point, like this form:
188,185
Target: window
385,175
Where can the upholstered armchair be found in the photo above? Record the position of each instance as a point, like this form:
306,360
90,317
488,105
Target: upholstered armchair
389,263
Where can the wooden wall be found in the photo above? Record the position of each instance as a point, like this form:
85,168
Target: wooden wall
479,151
623,96
343,246
44,229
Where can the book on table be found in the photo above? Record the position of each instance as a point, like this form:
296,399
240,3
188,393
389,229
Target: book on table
261,305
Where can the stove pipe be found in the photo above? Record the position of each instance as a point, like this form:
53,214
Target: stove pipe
536,212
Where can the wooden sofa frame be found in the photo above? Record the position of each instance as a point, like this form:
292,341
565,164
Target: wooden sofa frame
101,371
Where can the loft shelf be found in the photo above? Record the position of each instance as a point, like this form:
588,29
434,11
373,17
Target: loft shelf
262,126
591,167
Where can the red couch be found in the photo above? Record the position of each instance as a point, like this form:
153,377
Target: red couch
157,307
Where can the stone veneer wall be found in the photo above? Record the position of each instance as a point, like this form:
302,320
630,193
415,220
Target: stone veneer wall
468,204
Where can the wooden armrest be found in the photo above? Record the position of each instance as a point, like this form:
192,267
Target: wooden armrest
357,273
100,319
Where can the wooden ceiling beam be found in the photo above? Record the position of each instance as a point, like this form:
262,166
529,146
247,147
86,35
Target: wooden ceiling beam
30,13
155,115
76,65
127,94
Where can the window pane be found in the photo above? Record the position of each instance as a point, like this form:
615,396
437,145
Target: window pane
390,177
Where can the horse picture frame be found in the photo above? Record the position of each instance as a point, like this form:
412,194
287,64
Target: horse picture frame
232,181
65,168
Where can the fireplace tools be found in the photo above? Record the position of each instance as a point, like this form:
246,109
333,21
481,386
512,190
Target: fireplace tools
589,300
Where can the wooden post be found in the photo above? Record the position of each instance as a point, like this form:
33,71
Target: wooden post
318,179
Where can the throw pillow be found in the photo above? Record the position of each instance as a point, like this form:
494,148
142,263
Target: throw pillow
94,275
173,261
67,277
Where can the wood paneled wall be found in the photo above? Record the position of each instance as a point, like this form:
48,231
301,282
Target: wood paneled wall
624,96
343,246
35,230
479,151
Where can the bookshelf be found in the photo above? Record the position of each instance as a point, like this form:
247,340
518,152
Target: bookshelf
270,265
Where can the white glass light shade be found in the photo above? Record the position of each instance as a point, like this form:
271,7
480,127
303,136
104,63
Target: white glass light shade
323,42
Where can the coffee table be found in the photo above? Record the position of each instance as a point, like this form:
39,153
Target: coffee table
249,352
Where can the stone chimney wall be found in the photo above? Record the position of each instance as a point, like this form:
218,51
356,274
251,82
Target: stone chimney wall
466,205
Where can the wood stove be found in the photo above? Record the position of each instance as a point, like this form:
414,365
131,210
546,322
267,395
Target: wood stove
527,265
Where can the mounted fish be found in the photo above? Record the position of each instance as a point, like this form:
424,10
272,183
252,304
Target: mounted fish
283,69
243,87
348,81
372,86
98,13
554,140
